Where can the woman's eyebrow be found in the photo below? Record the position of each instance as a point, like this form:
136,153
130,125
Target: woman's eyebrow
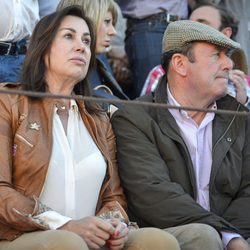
71,29
74,31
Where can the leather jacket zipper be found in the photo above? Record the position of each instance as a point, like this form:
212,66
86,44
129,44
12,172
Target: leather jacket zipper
24,140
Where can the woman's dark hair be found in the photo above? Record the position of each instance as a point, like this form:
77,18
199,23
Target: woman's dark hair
33,71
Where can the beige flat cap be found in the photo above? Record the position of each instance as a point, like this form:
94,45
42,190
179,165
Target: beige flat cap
180,33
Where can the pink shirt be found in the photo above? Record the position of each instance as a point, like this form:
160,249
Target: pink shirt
248,79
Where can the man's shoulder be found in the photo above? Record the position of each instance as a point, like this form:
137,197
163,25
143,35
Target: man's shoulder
138,105
231,105
138,111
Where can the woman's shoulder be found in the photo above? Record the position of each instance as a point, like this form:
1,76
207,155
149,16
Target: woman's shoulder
10,85
10,88
101,116
10,92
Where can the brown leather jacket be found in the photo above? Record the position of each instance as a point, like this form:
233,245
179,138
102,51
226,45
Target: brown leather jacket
25,149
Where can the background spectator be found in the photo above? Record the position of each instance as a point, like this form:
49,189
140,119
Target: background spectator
146,23
223,20
104,14
17,19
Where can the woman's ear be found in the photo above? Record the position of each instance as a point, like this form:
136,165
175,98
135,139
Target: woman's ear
227,31
179,64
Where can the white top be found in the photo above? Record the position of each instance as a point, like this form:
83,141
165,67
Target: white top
76,172
17,19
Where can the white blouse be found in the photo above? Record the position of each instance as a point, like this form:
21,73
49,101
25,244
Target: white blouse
76,172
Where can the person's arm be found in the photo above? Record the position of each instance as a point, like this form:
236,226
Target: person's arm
237,211
152,195
112,201
16,209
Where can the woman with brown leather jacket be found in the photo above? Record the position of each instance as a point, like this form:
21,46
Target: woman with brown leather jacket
59,186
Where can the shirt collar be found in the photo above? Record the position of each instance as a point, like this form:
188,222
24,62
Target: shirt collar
182,113
73,105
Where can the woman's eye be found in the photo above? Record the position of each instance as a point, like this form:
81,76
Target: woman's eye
68,35
86,41
107,21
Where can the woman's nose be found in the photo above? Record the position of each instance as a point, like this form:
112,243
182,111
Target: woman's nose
80,46
112,31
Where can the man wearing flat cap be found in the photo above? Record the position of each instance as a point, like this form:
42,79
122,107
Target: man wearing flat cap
187,171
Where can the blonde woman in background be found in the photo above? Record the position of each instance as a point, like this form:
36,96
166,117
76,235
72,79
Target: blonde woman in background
104,16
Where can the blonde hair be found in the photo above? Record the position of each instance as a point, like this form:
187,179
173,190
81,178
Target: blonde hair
96,10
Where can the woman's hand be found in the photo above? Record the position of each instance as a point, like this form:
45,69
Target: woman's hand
119,237
93,230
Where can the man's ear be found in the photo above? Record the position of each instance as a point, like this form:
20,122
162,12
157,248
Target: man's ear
179,64
227,31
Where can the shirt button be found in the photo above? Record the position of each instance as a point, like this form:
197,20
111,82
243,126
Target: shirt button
229,139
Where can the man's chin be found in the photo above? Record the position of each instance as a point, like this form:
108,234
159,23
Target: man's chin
221,94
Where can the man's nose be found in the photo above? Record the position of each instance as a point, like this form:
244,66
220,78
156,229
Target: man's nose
227,62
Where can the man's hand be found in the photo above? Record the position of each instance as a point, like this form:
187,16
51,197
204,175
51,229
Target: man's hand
93,230
237,77
238,244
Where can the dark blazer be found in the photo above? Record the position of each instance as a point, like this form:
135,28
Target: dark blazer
157,172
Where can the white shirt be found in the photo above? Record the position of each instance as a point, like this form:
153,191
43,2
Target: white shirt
198,139
76,172
18,19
